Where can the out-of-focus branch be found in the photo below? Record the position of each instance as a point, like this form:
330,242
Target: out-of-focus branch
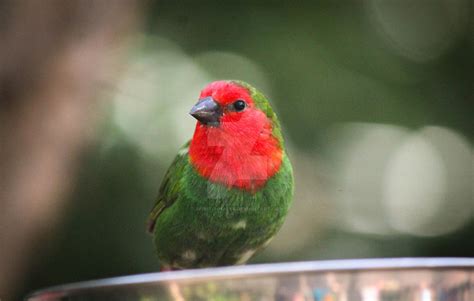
53,57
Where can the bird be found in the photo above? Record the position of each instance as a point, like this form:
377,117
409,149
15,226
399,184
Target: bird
229,188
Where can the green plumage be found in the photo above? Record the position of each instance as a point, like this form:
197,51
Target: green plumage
198,223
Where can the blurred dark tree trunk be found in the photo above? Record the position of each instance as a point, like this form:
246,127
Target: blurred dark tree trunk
54,57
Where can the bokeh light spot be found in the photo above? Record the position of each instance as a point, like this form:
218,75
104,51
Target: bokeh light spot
415,186
359,154
420,30
428,185
158,88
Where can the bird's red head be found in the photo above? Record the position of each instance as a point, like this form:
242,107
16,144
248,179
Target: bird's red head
233,143
223,101
226,92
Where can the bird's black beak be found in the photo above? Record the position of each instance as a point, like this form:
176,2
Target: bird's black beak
207,111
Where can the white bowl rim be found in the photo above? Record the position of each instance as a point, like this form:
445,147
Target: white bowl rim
265,269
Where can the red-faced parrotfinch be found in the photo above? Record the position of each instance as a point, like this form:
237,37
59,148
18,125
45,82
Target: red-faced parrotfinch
228,190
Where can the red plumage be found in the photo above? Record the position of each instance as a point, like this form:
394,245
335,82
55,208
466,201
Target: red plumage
225,92
241,152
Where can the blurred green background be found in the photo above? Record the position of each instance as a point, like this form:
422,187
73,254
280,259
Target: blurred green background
375,98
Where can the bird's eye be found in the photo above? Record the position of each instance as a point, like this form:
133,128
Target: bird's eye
239,105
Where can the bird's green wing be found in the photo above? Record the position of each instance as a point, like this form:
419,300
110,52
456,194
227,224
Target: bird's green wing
170,186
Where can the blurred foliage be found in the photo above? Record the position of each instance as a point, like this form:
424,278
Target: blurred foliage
355,63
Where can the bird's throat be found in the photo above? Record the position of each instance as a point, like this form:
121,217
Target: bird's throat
237,155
